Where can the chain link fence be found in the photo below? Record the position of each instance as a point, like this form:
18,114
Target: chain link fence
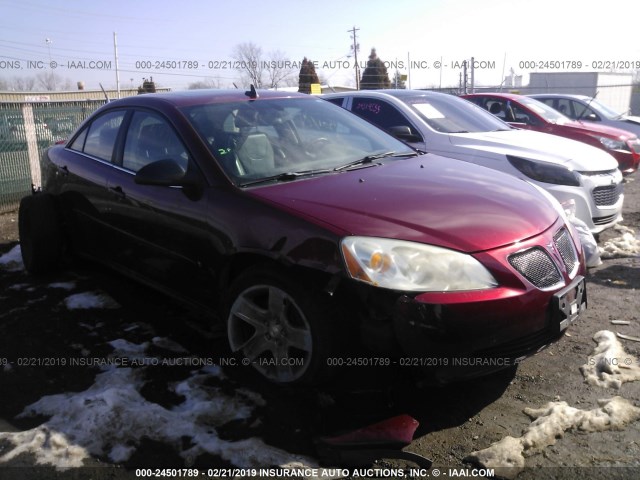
26,131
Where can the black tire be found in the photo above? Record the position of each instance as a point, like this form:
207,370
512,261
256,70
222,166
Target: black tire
41,239
281,326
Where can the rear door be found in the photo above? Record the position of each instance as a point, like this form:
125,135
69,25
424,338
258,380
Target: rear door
83,169
162,231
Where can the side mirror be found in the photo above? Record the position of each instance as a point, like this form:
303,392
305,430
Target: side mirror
592,117
162,173
403,132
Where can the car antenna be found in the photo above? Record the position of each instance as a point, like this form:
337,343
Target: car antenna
584,111
251,93
105,93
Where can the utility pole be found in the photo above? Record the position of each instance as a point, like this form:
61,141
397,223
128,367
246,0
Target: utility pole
355,47
465,81
473,78
115,54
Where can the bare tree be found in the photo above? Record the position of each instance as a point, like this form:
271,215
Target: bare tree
205,83
248,57
398,81
278,68
51,81
22,84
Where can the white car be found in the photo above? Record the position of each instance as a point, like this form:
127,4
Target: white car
576,174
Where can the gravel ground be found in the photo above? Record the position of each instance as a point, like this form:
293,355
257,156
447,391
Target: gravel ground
454,421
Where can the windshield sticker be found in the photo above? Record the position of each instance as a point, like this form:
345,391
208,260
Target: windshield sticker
369,107
428,110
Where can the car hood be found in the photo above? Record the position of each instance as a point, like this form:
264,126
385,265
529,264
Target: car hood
538,146
429,199
631,119
591,128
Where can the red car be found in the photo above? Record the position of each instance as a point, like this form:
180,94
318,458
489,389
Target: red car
305,231
525,112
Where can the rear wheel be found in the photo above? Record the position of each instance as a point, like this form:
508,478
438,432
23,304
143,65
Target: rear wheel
41,240
279,326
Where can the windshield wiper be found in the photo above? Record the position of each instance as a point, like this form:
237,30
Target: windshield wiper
284,177
375,156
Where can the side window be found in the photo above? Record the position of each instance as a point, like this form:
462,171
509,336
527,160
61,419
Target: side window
151,138
101,135
498,108
522,116
337,101
564,107
78,143
381,114
582,111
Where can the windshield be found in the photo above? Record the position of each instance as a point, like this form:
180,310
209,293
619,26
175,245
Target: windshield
551,115
278,138
449,114
603,109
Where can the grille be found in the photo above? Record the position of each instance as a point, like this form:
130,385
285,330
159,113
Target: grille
607,195
563,243
519,347
536,266
603,220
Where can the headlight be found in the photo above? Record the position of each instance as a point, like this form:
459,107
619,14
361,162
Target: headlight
409,266
613,144
545,172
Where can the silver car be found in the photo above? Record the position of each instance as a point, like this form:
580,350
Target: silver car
582,178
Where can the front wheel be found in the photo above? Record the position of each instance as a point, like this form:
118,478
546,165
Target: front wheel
280,327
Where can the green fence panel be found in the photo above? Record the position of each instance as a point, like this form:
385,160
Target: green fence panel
15,179
52,122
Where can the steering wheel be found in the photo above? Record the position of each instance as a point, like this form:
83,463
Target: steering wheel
311,148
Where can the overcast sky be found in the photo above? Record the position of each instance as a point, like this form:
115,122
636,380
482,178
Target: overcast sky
410,34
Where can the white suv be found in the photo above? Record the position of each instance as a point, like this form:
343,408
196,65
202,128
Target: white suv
573,172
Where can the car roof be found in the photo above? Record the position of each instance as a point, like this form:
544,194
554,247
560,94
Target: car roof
201,97
389,92
559,95
510,96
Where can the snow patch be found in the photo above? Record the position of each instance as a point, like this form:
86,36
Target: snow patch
167,344
88,300
626,245
507,456
48,447
111,417
62,285
12,260
610,366
134,352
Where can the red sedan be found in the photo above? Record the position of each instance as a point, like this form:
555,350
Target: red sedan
303,230
525,112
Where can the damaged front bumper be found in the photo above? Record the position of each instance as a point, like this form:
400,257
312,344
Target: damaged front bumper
466,339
